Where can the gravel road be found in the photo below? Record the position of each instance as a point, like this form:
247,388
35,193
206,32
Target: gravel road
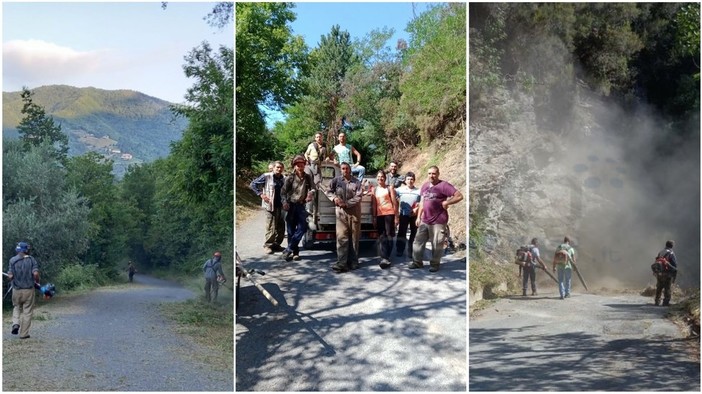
584,343
111,339
366,330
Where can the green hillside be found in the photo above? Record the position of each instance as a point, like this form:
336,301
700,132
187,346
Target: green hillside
112,122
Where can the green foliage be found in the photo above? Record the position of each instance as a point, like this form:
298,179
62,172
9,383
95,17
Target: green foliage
38,207
36,127
269,61
434,87
79,277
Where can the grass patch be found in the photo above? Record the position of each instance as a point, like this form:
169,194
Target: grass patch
210,325
246,201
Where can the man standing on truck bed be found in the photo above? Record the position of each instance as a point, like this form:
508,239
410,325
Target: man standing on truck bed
342,154
346,193
432,218
316,153
298,189
268,186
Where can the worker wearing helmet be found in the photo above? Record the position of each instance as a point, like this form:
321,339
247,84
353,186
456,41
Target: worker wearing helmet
23,273
213,270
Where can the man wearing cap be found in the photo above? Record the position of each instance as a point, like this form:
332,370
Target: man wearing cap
298,189
23,273
212,269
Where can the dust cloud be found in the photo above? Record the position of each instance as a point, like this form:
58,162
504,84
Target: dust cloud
635,183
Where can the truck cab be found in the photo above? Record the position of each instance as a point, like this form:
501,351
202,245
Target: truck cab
322,220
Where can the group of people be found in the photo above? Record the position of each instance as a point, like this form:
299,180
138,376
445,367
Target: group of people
399,205
665,268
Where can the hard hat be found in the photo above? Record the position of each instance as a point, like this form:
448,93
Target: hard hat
22,247
217,254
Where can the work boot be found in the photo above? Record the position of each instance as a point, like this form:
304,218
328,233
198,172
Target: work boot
287,255
339,268
666,303
657,302
355,266
533,292
433,268
15,329
524,293
384,263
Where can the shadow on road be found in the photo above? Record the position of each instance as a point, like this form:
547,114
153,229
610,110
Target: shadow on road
580,362
326,320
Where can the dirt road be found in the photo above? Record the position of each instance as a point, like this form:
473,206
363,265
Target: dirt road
366,330
111,339
583,343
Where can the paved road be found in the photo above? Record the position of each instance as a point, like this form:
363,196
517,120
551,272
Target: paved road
366,330
584,343
111,339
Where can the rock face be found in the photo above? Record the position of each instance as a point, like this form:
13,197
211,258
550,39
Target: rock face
594,181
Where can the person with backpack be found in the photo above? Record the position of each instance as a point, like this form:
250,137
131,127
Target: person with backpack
24,275
665,269
298,189
529,269
213,271
316,153
565,255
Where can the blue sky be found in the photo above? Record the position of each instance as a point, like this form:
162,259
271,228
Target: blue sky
359,19
137,46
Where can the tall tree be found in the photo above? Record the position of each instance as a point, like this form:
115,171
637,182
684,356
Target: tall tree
269,61
36,127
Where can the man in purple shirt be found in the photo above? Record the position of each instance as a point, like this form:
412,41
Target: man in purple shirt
432,218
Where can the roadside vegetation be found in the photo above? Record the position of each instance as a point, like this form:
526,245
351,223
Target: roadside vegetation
387,97
167,216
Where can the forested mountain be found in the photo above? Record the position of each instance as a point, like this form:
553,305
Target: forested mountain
585,121
103,121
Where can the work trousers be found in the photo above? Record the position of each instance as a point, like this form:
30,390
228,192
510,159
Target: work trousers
386,231
211,289
23,309
348,233
405,221
663,284
564,279
436,233
275,227
297,226
529,274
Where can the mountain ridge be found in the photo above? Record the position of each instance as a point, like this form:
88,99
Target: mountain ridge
123,121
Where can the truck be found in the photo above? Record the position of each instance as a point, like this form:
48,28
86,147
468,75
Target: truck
322,219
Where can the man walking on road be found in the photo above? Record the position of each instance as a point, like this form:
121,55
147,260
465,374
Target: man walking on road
346,193
268,186
432,218
298,189
23,272
131,270
213,271
529,271
565,255
665,268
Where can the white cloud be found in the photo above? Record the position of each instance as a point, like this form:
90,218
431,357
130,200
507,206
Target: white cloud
36,62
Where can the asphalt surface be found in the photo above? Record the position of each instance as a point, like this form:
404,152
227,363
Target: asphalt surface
111,339
583,343
365,330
